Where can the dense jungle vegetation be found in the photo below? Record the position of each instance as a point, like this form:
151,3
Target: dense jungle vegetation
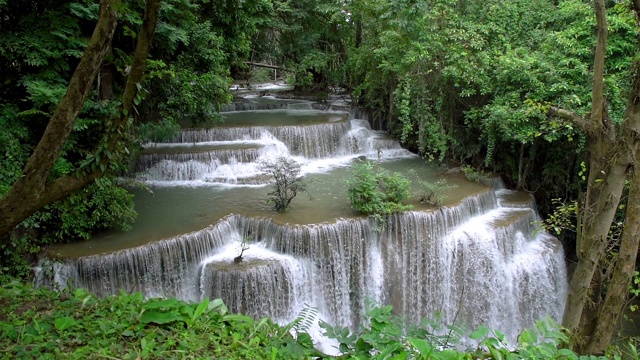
544,93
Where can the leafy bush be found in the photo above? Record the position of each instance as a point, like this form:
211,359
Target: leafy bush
386,337
17,255
45,324
100,206
475,175
376,192
288,183
434,192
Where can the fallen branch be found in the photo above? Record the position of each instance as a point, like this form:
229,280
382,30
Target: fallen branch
268,66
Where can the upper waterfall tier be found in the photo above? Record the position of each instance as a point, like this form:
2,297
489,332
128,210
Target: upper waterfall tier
311,134
230,153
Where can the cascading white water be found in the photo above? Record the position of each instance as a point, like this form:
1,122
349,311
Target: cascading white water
311,141
480,261
334,140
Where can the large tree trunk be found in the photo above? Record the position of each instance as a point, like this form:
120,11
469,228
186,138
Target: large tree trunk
32,191
610,159
617,289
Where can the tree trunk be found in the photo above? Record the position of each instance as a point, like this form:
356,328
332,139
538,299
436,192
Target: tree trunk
143,46
358,37
617,289
105,82
31,191
610,159
521,167
17,204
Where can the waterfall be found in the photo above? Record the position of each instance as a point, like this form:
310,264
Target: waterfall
254,105
479,261
483,260
199,162
311,141
225,156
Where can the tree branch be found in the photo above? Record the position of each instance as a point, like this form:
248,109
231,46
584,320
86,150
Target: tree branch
598,108
573,118
267,66
30,193
19,202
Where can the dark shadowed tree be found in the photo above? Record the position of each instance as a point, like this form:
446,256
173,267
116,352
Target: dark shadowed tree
35,188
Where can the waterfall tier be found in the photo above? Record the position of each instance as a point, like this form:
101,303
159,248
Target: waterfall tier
477,262
231,154
479,259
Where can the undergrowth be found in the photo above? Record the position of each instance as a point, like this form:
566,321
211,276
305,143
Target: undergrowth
46,324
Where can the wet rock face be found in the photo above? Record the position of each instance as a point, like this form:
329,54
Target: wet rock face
256,287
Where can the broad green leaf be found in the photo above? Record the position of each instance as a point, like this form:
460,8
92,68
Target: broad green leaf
496,353
479,333
567,353
238,318
64,323
168,303
423,346
202,307
159,317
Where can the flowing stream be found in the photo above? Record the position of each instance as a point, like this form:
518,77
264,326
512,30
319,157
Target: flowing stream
478,259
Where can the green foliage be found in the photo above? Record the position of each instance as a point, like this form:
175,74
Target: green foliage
102,205
76,325
308,37
472,81
376,192
305,319
562,218
475,175
434,192
158,131
386,337
261,75
17,255
13,150
45,324
288,182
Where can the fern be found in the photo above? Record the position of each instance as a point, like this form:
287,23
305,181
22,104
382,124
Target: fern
305,319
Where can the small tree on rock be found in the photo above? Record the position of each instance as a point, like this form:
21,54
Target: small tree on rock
243,248
288,182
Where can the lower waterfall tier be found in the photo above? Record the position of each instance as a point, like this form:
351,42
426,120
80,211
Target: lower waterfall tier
483,261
